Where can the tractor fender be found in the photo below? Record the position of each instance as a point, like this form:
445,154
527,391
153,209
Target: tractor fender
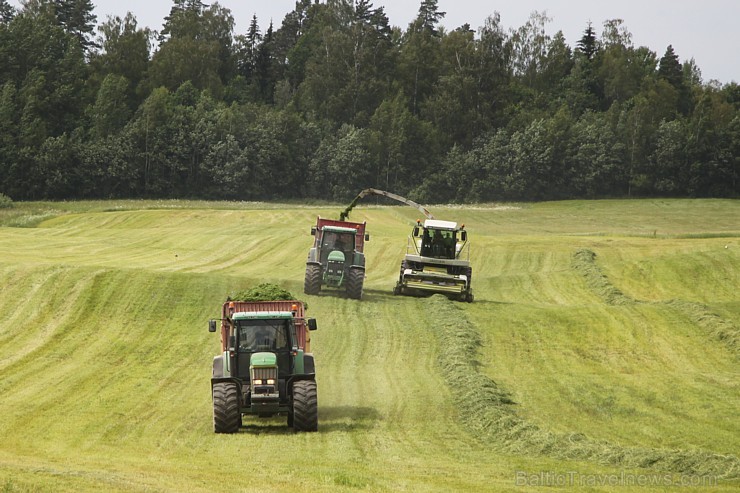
358,267
309,367
296,378
234,380
218,366
359,260
312,257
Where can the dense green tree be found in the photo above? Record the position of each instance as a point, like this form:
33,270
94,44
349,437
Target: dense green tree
110,113
670,70
347,78
125,53
583,89
420,54
7,12
595,157
78,19
8,139
492,73
530,44
247,50
338,169
196,46
587,46
294,42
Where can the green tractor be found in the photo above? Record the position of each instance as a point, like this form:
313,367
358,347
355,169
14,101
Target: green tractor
336,258
265,368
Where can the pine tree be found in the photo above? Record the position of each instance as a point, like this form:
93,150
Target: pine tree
669,68
77,18
587,44
7,12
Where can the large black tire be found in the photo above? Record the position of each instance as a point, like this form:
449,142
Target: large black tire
226,415
355,280
305,406
312,282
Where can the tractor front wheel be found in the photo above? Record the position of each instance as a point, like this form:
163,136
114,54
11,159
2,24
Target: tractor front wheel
226,415
305,406
355,280
312,282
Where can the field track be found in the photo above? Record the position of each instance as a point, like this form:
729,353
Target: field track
603,343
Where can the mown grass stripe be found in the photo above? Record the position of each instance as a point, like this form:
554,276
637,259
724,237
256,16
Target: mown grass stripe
488,411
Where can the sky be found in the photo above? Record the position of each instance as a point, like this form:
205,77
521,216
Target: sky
705,30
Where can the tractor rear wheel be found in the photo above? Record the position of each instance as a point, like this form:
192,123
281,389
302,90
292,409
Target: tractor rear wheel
312,282
355,280
226,415
305,406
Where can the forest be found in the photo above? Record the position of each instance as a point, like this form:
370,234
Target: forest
336,99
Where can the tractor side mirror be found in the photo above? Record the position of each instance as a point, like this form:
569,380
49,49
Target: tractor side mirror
313,230
312,324
211,326
232,342
464,235
367,236
416,231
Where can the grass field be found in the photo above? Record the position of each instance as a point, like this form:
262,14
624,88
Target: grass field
601,353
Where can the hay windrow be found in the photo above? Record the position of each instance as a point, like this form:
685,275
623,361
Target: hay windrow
488,411
713,324
584,262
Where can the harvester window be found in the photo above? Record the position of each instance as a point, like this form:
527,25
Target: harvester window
443,244
264,335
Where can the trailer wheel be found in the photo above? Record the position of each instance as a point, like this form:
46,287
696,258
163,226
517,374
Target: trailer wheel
355,280
226,415
305,406
312,282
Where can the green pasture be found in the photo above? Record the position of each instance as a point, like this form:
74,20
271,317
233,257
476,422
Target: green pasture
613,369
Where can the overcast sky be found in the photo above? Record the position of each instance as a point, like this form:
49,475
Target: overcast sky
706,30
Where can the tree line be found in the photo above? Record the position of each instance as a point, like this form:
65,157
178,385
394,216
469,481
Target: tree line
335,100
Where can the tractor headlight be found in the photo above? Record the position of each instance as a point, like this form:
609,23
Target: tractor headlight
257,381
270,381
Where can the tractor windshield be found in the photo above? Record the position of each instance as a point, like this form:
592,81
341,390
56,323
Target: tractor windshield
264,335
344,242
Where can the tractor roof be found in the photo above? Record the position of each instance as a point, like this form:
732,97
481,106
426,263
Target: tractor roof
339,229
437,224
261,315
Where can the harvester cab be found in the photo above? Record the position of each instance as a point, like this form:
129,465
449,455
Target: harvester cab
437,261
440,239
266,367
336,259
